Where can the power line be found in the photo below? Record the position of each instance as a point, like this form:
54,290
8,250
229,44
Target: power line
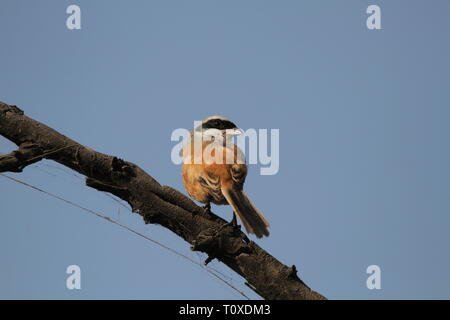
101,216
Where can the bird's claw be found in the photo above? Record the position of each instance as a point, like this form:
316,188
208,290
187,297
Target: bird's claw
233,223
207,208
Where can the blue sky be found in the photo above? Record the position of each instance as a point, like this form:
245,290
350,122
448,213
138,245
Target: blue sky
363,118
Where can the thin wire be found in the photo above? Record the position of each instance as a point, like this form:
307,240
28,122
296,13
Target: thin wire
79,178
118,201
69,146
70,173
36,166
50,152
101,216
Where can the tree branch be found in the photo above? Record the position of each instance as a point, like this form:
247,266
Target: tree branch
157,204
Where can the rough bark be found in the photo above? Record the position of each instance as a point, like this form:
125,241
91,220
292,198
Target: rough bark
156,203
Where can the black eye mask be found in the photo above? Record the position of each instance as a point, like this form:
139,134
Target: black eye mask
218,124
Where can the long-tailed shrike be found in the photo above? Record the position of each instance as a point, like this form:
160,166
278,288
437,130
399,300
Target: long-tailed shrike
214,170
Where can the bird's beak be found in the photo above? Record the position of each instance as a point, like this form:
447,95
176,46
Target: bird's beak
236,132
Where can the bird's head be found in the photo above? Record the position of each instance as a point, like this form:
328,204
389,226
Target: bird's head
218,126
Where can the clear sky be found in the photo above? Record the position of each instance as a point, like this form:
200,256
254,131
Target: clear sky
364,127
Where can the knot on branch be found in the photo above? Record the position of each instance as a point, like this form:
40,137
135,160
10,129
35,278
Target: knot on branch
222,241
122,170
292,272
10,108
17,160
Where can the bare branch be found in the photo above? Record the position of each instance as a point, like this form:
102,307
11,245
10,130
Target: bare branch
157,204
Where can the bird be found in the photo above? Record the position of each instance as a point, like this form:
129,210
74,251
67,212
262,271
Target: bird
214,171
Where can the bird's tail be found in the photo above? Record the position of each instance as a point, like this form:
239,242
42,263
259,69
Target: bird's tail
253,220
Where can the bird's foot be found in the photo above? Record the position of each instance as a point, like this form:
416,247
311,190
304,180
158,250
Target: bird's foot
237,227
207,208
233,222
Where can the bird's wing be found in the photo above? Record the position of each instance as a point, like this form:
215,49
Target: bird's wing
212,183
238,173
238,170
